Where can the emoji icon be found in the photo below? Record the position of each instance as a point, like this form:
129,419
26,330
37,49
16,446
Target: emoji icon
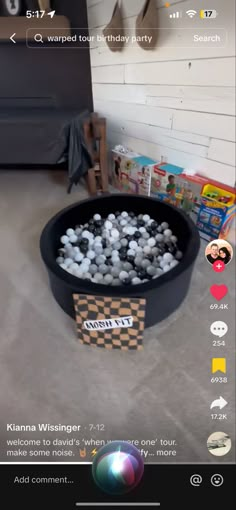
83,453
218,291
217,480
94,452
218,266
219,328
219,444
218,365
219,402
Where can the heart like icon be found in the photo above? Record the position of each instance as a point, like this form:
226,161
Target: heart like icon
218,291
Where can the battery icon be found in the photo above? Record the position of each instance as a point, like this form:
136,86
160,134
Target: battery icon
208,14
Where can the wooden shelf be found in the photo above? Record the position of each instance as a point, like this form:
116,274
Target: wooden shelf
20,25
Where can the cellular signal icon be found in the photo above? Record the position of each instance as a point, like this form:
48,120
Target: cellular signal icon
191,13
176,15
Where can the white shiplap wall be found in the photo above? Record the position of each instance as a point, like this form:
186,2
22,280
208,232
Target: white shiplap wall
177,103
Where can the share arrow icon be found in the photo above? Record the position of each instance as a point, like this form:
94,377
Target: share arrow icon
220,402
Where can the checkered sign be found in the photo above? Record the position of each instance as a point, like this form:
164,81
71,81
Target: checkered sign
109,322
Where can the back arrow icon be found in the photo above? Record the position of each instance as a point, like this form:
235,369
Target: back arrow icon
12,38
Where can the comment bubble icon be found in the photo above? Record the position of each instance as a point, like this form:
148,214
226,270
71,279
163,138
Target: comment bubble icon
219,328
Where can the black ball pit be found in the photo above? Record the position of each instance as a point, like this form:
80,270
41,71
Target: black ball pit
163,295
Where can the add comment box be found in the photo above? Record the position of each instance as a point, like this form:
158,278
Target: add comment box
167,37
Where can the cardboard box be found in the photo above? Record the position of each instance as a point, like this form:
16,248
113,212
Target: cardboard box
166,184
197,182
185,191
217,212
131,172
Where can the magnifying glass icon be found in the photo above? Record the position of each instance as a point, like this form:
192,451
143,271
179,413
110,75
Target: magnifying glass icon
38,38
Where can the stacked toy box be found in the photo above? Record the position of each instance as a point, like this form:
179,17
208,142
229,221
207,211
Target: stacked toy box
131,172
166,183
217,211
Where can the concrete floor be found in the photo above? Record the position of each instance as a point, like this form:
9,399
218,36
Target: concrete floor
163,392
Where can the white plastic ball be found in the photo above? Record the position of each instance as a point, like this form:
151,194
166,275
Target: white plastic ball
123,275
74,266
86,234
136,281
130,231
131,253
166,268
87,261
151,242
98,239
68,262
91,254
108,225
155,251
87,276
168,257
115,271
147,250
133,245
115,233
101,259
79,257
64,239
70,232
98,277
108,278
98,249
73,239
164,225
174,263
84,268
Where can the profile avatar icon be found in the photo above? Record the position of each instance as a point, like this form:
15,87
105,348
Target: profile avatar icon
117,468
220,251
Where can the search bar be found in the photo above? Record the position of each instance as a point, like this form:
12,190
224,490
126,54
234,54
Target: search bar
167,37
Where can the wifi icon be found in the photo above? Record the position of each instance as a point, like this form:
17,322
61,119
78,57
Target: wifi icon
191,13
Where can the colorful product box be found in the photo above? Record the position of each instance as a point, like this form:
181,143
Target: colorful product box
131,172
197,182
216,213
166,184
